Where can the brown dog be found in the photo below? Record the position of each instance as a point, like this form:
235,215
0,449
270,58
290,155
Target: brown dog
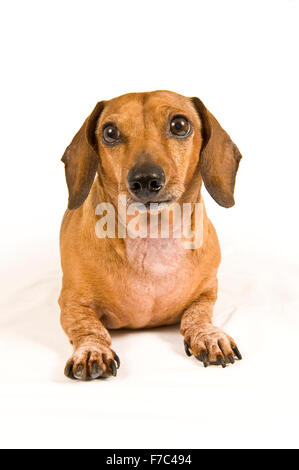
150,147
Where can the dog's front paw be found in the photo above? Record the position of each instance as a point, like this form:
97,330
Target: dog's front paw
92,362
211,345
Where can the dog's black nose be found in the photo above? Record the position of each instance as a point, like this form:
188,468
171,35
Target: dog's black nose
146,180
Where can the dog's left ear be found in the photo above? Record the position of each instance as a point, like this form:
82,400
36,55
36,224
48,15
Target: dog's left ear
81,160
219,158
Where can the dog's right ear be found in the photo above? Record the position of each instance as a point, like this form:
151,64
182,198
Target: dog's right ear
81,160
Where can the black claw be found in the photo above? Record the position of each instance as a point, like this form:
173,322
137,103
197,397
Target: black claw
237,353
231,359
113,368
96,371
117,360
68,371
187,350
79,371
203,357
221,361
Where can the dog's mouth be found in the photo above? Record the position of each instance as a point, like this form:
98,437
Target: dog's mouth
164,202
153,205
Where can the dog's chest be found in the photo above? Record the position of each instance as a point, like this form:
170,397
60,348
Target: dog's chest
155,257
159,281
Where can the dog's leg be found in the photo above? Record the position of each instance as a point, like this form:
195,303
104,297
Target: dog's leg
92,356
206,342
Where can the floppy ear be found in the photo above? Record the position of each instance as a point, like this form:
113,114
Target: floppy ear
219,158
81,160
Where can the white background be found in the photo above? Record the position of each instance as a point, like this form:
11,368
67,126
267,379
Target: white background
241,58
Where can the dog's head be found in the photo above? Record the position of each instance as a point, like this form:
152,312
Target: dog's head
152,147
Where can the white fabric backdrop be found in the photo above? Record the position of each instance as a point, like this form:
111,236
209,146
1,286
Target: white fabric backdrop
247,74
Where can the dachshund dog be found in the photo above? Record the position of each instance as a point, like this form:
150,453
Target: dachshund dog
155,147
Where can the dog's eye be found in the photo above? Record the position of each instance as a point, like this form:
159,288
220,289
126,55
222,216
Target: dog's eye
180,126
110,134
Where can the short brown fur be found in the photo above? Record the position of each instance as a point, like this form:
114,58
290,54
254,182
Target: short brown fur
124,283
